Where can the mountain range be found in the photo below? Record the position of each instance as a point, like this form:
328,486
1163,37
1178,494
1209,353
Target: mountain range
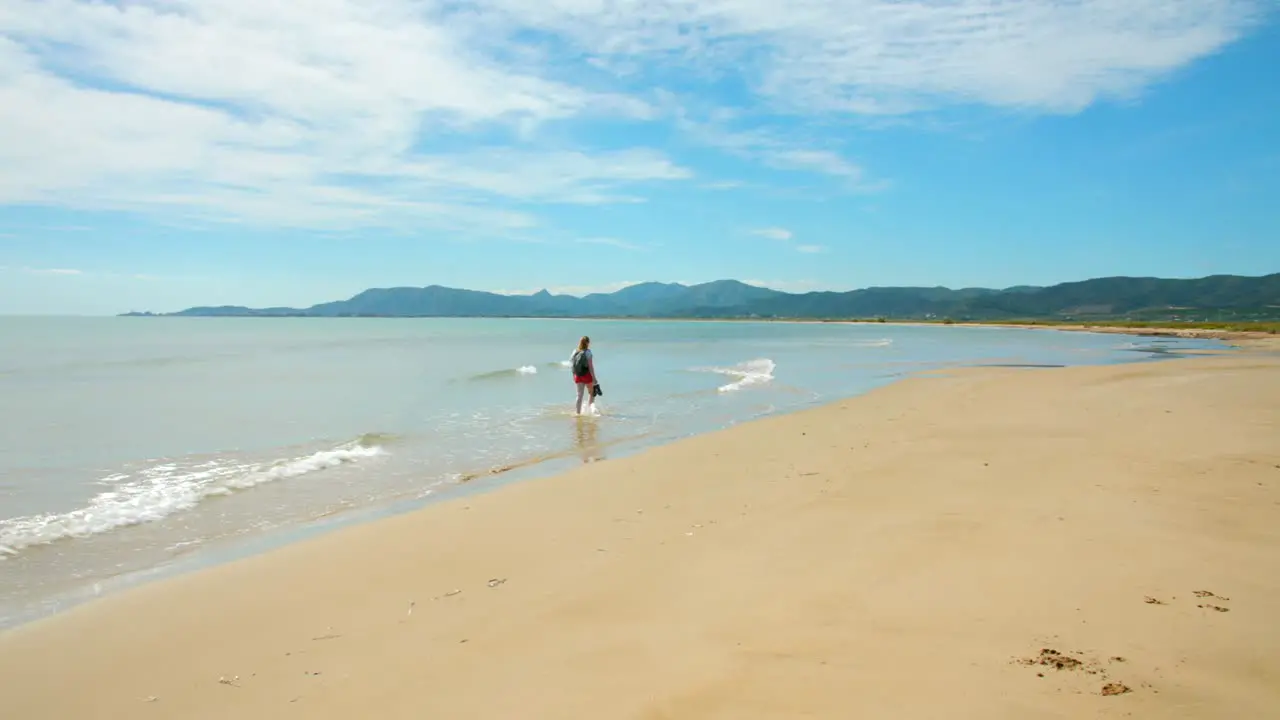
1217,297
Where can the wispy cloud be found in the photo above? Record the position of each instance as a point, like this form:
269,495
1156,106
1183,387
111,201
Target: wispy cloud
722,185
52,271
823,161
96,274
288,115
611,242
810,249
773,233
351,113
790,151
887,57
575,290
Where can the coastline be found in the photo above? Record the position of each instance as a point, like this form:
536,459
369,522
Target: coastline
910,543
478,477
1254,338
1211,330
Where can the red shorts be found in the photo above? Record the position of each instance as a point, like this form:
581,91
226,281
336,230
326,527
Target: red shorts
583,379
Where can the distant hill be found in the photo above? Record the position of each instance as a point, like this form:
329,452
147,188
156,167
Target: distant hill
1218,297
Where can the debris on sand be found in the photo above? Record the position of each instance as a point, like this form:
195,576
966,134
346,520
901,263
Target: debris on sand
495,582
1218,608
1152,601
1207,594
1115,688
1054,659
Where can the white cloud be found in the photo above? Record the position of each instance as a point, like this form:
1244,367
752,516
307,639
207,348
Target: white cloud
52,271
723,185
296,114
774,233
568,177
887,56
811,249
349,113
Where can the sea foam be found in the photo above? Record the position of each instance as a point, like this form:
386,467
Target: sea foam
162,490
506,373
745,374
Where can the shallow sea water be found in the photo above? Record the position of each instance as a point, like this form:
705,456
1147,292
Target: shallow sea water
134,446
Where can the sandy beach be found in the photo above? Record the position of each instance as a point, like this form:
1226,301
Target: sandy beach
992,543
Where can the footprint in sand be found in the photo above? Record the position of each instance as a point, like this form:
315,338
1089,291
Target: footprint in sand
1058,660
1209,606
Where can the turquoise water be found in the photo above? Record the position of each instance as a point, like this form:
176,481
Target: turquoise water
132,443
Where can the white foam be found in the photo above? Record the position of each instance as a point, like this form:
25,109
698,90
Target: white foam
882,342
527,370
566,363
162,490
751,372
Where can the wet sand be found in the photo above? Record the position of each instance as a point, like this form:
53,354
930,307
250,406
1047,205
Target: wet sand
988,543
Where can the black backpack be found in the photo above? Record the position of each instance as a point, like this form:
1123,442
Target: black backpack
580,366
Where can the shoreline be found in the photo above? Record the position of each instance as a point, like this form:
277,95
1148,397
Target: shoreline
1193,329
698,578
471,483
1247,336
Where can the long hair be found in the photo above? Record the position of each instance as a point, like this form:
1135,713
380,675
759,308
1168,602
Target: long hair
584,343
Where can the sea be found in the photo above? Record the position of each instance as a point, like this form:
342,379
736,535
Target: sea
134,448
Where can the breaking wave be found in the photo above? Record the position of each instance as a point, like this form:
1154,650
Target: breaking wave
162,490
751,372
509,372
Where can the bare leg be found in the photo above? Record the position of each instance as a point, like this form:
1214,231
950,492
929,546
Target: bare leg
581,389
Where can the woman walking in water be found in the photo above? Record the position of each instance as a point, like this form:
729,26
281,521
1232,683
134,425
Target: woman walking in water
584,373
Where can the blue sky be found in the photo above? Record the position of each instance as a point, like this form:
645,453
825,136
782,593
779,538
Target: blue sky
156,155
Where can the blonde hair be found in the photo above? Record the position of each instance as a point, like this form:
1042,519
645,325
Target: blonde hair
584,343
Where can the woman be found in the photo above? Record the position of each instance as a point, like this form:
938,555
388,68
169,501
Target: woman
584,371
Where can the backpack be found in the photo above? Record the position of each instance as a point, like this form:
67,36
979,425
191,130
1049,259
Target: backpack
580,365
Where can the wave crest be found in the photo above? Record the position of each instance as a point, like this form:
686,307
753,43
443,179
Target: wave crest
506,373
162,490
750,372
